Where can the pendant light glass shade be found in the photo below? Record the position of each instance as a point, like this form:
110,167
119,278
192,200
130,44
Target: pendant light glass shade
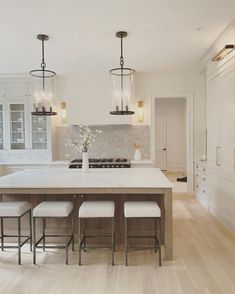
122,85
42,89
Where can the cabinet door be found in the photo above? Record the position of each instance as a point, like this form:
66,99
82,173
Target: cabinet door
39,132
213,121
17,126
17,90
227,119
2,90
214,192
2,130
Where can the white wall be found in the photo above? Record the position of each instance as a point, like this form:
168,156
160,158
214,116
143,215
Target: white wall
88,95
150,86
175,108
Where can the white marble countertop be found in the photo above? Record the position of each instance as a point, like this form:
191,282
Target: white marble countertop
96,178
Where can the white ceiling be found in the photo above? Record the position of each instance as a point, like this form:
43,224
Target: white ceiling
164,35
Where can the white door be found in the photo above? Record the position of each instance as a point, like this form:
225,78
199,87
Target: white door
161,141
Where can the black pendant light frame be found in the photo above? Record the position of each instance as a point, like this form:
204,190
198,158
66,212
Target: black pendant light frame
122,72
43,73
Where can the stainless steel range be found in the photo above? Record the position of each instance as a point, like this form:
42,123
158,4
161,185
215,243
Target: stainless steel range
102,163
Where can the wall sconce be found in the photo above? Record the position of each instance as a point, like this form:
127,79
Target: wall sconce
63,112
140,111
222,53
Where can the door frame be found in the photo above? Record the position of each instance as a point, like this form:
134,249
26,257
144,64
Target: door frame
189,97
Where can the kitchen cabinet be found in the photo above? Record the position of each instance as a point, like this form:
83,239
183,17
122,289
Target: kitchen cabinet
221,142
17,126
200,183
22,136
17,89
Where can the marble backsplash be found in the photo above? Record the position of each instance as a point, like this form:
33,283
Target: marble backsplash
114,141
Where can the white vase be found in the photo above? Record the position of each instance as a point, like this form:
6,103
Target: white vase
85,162
137,155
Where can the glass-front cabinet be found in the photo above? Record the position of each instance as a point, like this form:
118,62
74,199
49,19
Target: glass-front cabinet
17,126
23,137
39,132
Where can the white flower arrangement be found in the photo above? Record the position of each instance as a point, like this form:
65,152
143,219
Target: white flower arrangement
87,138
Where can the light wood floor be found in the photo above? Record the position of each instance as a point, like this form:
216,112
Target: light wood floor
204,262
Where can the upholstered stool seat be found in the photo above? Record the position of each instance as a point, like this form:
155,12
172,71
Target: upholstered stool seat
53,209
143,209
16,209
96,209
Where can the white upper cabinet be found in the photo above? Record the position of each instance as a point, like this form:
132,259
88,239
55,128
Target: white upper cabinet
17,126
23,137
17,90
2,90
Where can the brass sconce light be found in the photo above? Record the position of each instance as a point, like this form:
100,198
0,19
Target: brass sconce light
63,112
140,111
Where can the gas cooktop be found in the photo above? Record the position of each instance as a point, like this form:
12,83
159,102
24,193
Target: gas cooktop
102,163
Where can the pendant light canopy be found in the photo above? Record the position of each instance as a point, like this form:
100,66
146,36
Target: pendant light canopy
43,97
122,84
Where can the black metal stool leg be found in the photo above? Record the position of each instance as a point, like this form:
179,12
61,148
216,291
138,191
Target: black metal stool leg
84,235
2,235
79,241
126,245
43,233
30,230
159,241
34,240
72,224
67,239
113,239
19,240
155,231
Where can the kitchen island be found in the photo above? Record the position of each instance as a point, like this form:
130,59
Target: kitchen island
120,184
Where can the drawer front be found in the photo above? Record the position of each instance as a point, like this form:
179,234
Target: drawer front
200,178
199,168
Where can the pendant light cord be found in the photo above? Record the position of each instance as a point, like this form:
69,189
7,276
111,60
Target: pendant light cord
121,57
121,64
43,65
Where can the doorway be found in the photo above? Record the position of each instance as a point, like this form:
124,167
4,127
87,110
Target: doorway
170,135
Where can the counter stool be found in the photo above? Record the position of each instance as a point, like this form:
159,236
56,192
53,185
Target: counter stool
95,209
16,209
143,209
53,209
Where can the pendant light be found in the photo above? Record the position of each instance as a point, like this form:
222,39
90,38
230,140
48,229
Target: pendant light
43,98
122,84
